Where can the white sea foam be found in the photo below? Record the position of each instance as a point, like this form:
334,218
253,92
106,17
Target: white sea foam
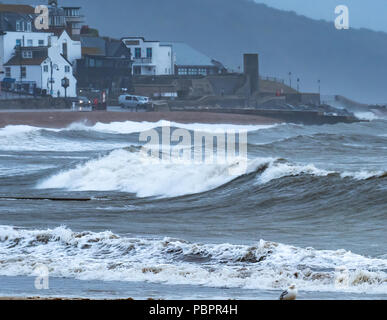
127,127
23,137
28,138
277,170
16,130
132,172
366,116
264,265
362,175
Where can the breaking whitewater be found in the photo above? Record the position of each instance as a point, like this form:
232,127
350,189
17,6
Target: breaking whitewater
309,209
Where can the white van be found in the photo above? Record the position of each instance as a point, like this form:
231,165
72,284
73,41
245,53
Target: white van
130,101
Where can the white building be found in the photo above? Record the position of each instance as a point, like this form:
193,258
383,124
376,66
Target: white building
38,60
9,40
150,57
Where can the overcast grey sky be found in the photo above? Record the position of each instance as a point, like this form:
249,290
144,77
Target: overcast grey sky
371,14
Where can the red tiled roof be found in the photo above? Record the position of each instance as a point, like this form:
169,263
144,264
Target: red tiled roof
16,61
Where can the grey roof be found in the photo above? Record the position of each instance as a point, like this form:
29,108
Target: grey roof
94,42
8,20
188,56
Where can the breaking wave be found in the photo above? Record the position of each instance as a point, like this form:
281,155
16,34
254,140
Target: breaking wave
132,172
129,170
127,127
24,137
264,265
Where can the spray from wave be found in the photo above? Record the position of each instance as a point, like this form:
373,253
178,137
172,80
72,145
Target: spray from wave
132,172
264,265
128,170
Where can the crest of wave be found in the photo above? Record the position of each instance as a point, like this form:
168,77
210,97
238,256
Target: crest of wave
134,172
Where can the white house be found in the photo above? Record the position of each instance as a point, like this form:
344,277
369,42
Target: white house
38,60
41,68
150,57
69,48
11,39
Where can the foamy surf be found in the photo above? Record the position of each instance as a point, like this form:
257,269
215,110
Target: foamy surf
128,127
133,172
263,265
367,115
129,170
24,137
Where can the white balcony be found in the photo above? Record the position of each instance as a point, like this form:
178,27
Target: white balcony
143,60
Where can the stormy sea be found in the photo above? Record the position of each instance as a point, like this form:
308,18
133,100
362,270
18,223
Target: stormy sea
105,221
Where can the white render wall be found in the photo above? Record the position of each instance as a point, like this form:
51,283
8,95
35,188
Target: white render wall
74,49
164,60
8,43
35,73
59,63
162,57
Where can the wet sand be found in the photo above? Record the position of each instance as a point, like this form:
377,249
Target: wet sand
62,119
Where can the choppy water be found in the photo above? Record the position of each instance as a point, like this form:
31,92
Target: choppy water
310,209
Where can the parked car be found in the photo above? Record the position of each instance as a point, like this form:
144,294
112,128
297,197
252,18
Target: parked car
131,101
83,102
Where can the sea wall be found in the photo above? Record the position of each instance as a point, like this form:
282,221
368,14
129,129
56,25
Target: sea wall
35,103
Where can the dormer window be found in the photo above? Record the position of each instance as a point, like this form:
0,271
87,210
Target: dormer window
29,26
18,26
27,54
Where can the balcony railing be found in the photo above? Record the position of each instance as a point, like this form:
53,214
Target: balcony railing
143,60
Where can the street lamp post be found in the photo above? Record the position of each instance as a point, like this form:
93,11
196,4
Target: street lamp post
319,86
290,79
298,84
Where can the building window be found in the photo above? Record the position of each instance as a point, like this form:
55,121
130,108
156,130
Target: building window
23,72
8,72
45,68
137,53
29,27
149,52
203,71
136,70
182,71
67,69
41,43
192,71
18,42
27,54
30,43
92,63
